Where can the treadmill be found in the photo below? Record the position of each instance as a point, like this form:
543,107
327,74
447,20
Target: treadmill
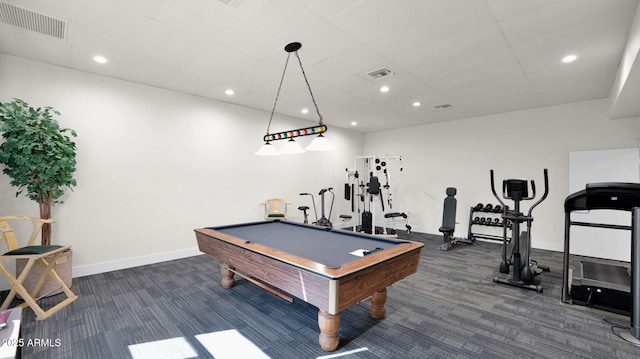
596,283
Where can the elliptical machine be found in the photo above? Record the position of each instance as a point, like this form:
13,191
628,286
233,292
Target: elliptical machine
525,269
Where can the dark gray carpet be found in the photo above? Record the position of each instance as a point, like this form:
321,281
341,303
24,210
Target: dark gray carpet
449,309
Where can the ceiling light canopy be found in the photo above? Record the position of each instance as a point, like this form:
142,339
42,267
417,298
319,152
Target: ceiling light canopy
320,143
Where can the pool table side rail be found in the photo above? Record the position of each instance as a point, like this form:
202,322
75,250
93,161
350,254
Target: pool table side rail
334,273
362,284
310,285
303,284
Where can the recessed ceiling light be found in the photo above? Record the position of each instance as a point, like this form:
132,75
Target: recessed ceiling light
100,59
305,110
416,104
569,58
354,123
384,89
229,92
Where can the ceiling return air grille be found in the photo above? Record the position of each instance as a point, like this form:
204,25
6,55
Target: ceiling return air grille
32,21
380,73
230,3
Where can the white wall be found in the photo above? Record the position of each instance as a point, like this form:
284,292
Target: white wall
155,164
516,144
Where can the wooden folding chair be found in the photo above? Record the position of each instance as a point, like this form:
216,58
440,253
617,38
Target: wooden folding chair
275,208
47,255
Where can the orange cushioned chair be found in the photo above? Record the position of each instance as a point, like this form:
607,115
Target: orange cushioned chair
32,254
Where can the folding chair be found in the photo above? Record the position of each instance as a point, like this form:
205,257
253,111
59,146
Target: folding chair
47,255
275,208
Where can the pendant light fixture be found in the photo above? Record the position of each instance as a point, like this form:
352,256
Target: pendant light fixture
320,143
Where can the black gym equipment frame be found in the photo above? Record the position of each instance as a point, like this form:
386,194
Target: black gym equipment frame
524,269
323,221
614,196
448,227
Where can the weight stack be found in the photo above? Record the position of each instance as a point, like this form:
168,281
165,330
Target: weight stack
367,222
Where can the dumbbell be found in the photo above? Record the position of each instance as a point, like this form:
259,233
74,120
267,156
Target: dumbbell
497,208
476,220
478,207
488,207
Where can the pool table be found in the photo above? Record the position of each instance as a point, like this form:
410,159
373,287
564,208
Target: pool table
328,268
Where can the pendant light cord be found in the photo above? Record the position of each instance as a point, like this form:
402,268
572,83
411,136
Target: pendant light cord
309,87
279,88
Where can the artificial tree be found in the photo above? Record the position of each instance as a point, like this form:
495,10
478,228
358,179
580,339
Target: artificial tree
39,156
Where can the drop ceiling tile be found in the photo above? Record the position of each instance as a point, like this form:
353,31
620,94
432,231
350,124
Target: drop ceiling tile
108,30
151,9
200,18
163,52
396,35
568,28
61,10
507,9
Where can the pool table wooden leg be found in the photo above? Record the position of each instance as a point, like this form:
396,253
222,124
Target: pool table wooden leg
227,275
329,325
377,309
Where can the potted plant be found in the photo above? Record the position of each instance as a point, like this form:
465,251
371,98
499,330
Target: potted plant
38,155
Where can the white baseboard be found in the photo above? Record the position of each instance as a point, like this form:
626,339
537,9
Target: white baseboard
85,270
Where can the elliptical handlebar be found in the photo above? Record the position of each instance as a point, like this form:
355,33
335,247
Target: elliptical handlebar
546,191
493,189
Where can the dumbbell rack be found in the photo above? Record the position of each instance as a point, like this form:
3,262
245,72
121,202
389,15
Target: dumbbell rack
494,220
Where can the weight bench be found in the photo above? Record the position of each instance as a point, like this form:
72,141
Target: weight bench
449,221
33,254
346,221
396,217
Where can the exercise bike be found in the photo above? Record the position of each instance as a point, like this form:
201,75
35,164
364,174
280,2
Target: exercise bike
323,221
517,252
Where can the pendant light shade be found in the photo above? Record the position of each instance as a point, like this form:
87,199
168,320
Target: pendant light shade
267,150
320,144
291,147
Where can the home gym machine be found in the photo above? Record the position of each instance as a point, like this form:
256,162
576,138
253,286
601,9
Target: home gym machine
518,252
597,283
449,221
364,191
323,221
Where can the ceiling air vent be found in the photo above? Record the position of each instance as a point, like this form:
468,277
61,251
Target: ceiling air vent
380,73
444,105
230,3
32,21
